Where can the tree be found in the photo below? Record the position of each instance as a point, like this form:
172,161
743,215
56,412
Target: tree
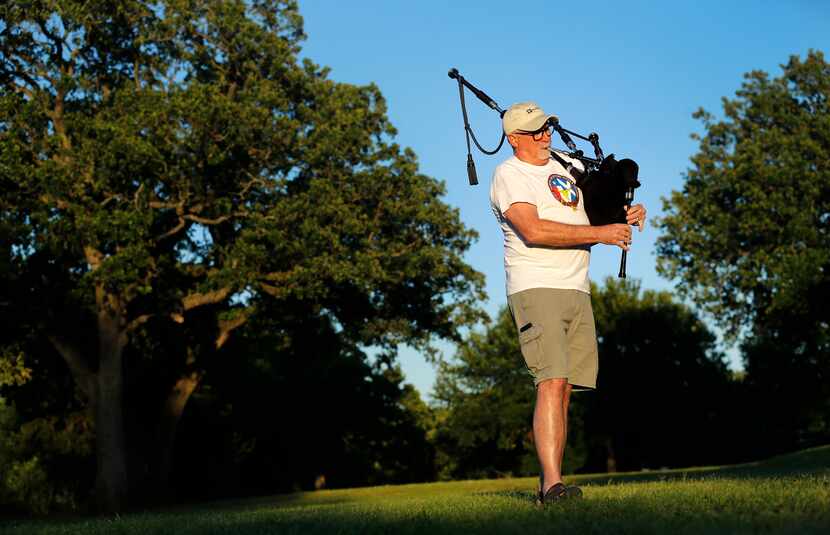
661,383
44,450
748,237
484,401
322,414
663,390
170,166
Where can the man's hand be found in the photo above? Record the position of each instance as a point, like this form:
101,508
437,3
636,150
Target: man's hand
618,234
636,215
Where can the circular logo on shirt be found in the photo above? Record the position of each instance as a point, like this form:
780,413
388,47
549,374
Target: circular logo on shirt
564,189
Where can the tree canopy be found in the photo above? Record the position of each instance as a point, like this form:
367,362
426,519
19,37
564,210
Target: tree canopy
171,167
747,236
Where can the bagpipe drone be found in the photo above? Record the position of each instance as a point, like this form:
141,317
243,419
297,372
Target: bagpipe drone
607,184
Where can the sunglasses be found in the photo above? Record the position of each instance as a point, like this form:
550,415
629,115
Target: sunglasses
537,134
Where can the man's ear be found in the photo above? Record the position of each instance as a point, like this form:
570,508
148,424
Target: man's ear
511,139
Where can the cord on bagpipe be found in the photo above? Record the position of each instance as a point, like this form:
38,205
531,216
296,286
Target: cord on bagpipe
607,185
471,166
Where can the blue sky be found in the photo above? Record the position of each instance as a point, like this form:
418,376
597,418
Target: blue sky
632,71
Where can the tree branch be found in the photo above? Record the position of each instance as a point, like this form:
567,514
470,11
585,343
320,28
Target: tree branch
23,89
248,185
21,73
216,221
109,199
57,121
137,194
200,299
159,204
226,326
273,291
36,66
173,231
57,54
48,199
206,221
136,323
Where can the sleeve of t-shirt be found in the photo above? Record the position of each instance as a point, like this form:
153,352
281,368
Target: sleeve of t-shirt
509,189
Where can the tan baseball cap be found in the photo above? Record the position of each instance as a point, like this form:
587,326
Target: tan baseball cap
527,116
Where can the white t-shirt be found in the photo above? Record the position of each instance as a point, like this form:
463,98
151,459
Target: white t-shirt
557,198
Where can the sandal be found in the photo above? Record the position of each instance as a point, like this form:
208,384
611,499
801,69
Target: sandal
556,493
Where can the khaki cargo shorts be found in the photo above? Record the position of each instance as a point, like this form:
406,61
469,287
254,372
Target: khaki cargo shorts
557,335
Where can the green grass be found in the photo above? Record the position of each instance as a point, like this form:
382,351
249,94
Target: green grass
787,494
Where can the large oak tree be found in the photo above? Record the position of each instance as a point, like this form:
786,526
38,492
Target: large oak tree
171,164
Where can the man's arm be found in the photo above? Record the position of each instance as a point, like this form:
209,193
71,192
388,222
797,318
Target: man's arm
534,231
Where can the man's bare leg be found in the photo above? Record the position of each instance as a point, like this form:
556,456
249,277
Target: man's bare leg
550,428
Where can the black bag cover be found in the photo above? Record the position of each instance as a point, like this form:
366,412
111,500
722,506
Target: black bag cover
604,190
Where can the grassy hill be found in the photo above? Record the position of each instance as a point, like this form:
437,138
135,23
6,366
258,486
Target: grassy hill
786,494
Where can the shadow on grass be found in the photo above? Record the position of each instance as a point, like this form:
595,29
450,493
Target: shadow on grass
814,461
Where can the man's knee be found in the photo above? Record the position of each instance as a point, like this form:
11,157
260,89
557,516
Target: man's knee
554,385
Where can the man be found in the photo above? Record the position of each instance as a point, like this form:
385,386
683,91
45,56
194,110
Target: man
547,243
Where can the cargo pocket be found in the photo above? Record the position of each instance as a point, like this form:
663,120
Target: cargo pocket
530,340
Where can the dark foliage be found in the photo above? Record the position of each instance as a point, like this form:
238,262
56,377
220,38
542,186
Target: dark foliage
663,393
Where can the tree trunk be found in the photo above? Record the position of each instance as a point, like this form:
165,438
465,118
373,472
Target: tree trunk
610,456
173,408
111,478
171,414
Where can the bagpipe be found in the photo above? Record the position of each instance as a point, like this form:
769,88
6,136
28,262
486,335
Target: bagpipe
607,184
